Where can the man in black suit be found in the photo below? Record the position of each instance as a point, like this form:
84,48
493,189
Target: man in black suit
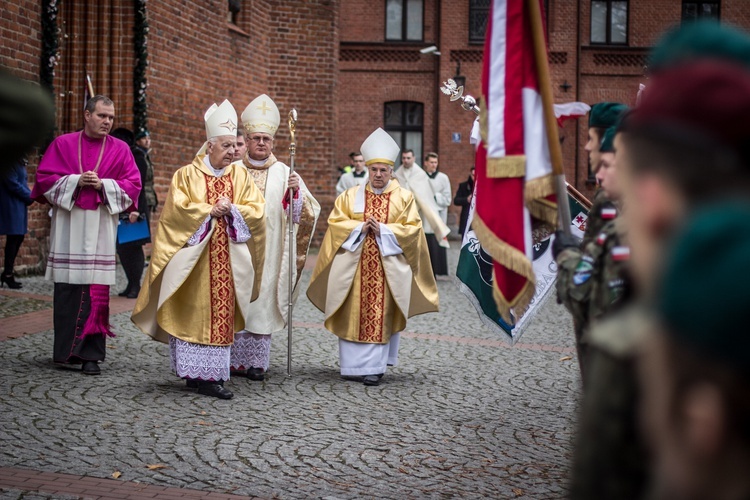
463,199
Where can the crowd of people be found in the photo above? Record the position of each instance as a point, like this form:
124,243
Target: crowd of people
656,288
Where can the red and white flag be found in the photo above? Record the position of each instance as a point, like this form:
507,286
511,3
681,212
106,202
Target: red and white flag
513,166
570,111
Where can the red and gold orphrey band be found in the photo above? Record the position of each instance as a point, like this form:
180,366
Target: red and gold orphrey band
222,283
372,305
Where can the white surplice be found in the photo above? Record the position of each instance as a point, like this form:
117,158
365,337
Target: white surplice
82,242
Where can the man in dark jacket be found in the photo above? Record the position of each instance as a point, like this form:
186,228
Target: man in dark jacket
463,199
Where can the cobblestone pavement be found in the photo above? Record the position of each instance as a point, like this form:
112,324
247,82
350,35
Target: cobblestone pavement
463,415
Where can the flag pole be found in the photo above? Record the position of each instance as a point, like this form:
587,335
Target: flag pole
290,225
550,122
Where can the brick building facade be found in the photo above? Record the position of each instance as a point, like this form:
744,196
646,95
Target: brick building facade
346,66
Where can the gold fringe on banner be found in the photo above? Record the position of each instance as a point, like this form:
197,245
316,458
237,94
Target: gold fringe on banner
541,187
483,119
535,193
506,167
511,258
544,211
519,305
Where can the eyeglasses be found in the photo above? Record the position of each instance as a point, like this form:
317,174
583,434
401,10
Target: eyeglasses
259,139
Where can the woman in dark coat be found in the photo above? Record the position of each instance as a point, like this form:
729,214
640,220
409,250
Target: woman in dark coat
131,253
14,198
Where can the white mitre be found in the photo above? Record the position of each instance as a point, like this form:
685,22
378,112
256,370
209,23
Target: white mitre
261,115
380,147
221,120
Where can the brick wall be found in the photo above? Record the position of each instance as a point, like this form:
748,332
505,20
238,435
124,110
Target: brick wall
20,51
285,49
327,58
302,74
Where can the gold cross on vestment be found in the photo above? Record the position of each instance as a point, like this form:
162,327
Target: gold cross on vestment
264,107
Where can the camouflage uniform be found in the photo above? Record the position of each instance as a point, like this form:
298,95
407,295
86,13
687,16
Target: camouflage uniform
590,281
610,459
603,210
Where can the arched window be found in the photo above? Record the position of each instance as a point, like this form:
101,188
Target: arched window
404,121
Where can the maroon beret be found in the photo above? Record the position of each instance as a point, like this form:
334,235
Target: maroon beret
699,100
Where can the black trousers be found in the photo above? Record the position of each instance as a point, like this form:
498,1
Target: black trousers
132,260
438,256
12,245
72,306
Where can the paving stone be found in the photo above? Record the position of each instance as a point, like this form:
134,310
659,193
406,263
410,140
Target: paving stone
457,417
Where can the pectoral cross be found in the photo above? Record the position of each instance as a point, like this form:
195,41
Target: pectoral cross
263,107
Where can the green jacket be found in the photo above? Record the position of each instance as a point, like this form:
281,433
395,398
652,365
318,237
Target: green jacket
610,459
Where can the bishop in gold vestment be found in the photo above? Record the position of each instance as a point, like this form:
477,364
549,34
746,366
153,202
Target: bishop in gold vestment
373,270
206,261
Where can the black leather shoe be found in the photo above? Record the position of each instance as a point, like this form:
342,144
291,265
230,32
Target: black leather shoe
256,373
214,389
91,368
133,294
371,380
124,293
191,383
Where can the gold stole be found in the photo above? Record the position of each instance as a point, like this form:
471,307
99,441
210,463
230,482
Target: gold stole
374,305
220,269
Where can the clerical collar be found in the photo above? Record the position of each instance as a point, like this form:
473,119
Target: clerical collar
380,191
361,174
432,175
256,163
217,172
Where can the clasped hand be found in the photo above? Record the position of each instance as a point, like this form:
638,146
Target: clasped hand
221,208
371,225
90,179
293,182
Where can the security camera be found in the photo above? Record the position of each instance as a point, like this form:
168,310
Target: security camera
432,49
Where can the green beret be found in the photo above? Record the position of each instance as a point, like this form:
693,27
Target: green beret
702,296
608,140
605,114
141,134
701,40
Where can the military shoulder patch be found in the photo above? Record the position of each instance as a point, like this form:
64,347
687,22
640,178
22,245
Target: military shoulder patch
620,253
583,272
609,213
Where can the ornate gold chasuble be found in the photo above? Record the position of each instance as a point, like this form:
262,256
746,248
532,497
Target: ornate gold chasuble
366,297
220,270
374,305
201,293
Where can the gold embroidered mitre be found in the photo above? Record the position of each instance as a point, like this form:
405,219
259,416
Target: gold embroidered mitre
380,147
261,115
